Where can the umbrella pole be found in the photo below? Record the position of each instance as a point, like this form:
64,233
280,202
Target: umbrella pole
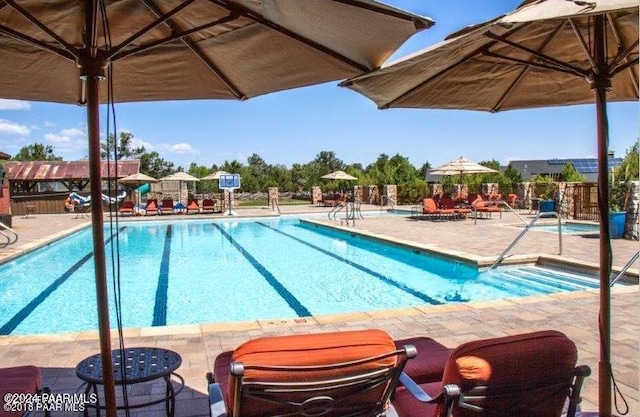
92,68
602,83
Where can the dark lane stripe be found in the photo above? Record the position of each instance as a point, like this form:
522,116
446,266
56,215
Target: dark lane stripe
160,308
21,315
383,278
293,302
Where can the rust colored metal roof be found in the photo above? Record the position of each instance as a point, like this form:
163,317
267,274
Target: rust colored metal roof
4,155
65,170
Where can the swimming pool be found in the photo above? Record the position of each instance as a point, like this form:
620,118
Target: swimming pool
568,228
238,270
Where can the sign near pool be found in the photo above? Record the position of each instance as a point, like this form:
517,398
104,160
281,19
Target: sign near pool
229,181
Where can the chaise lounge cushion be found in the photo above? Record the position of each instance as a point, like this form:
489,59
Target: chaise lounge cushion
19,379
428,365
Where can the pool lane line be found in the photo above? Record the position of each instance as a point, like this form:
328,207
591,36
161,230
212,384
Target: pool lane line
21,315
389,281
160,306
293,302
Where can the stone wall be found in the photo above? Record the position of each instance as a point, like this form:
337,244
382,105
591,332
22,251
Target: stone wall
391,193
273,198
316,195
631,227
358,193
371,194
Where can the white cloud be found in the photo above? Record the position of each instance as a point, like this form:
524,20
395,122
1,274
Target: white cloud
180,148
11,128
49,124
73,132
7,104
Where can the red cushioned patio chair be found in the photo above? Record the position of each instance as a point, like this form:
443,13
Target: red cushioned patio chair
127,208
167,206
193,207
527,375
351,373
208,205
431,211
18,380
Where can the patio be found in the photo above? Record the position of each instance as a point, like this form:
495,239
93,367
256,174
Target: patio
572,313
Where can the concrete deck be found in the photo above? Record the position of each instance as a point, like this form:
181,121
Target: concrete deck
572,313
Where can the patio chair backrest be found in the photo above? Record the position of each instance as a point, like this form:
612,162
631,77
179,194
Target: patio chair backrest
527,375
429,205
333,374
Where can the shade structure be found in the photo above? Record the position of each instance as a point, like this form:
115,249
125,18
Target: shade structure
137,179
182,49
545,53
339,175
214,175
180,176
461,166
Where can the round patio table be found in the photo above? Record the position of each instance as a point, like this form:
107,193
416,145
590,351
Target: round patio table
137,365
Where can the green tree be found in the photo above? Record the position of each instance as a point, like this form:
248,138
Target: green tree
36,152
570,174
151,164
123,147
628,169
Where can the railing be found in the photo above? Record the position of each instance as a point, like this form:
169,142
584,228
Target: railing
385,200
8,233
275,207
499,203
526,229
626,267
334,211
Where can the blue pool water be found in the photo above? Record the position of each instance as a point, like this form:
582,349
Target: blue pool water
237,270
568,228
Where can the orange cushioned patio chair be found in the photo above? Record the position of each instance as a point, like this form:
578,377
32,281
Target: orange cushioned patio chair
193,207
527,375
208,205
167,206
19,380
127,208
351,373
151,208
485,208
431,211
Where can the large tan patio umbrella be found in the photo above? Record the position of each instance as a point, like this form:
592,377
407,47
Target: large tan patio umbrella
214,175
59,51
339,175
461,166
545,53
137,179
181,177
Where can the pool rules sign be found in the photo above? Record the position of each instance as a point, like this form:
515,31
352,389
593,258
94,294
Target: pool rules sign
229,182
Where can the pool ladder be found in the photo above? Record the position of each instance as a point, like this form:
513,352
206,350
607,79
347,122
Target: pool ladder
9,234
351,209
385,200
625,268
526,229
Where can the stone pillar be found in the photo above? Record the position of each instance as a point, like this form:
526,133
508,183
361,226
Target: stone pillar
391,193
5,197
490,188
460,191
316,195
436,189
372,194
358,193
524,193
631,227
274,197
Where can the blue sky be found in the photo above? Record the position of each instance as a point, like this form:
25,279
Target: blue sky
293,126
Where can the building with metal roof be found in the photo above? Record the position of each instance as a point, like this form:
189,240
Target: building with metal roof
554,167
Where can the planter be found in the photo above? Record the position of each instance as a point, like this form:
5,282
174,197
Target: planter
616,224
547,206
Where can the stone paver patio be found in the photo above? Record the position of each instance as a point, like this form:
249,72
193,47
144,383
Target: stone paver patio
572,313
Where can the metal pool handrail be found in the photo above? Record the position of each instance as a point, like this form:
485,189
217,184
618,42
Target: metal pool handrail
499,203
11,238
627,266
526,229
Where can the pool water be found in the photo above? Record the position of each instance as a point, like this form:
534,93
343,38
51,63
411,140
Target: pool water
238,270
568,228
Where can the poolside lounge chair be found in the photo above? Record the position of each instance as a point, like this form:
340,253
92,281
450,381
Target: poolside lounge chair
193,207
352,373
485,208
167,206
151,209
127,208
527,375
18,380
431,211
447,203
208,205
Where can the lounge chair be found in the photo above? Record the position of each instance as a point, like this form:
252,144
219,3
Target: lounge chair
193,207
127,208
19,380
527,375
208,205
167,206
430,210
352,373
151,209
485,208
447,203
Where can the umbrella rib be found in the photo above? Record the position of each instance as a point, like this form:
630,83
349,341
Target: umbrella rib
624,56
249,14
554,62
161,19
37,43
524,71
182,37
374,8
71,51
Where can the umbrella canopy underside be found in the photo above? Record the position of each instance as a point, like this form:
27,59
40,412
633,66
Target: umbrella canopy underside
177,49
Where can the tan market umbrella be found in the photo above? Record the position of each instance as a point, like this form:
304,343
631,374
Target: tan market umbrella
461,166
214,176
137,179
181,177
339,175
182,49
546,53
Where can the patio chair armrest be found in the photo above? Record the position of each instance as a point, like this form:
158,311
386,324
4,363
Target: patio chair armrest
415,390
216,402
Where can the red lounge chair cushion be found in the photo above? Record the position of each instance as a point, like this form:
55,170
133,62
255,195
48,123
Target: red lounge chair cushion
428,366
311,350
20,379
152,206
193,206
